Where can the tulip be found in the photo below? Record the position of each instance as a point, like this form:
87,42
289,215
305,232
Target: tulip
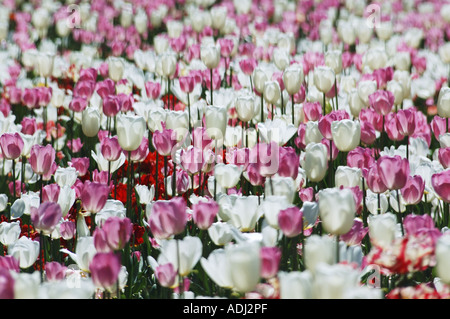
244,213
337,210
84,252
440,182
444,157
272,92
245,107
130,131
348,177
54,271
164,141
443,104
204,213
168,217
220,233
182,254
9,233
270,261
290,221
166,275
90,123
442,260
104,269
217,268
315,162
374,180
295,284
115,68
382,229
93,196
319,249
346,134
117,232
382,101
333,281
227,175
11,145
313,111
25,250
394,171
67,230
110,148
216,123
289,163
244,259
412,192
42,158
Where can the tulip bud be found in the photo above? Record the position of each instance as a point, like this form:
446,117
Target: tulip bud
216,120
245,107
167,63
90,123
210,56
25,250
324,78
218,17
337,210
45,63
346,134
130,131
272,92
115,68
333,60
259,79
315,162
293,78
443,104
382,228
281,58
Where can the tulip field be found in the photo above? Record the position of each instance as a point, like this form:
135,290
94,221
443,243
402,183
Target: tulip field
235,149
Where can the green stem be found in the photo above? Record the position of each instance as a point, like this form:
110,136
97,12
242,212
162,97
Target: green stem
399,213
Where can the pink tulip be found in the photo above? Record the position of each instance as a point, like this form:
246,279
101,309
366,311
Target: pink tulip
117,232
88,74
67,229
372,117
139,154
334,149
382,101
9,263
441,184
84,89
164,141
42,158
201,138
54,271
47,176
374,180
270,261
239,157
254,176
444,157
312,110
187,83
290,221
105,269
153,89
168,217
394,171
368,133
413,224
182,182
44,95
11,145
192,160
110,148
111,105
75,145
15,95
29,98
391,128
125,102
204,213
406,122
360,158
78,104
93,196
81,164
247,65
46,216
166,275
438,126
306,194
105,88
289,163
50,193
29,125
412,192
226,46
7,286
356,233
